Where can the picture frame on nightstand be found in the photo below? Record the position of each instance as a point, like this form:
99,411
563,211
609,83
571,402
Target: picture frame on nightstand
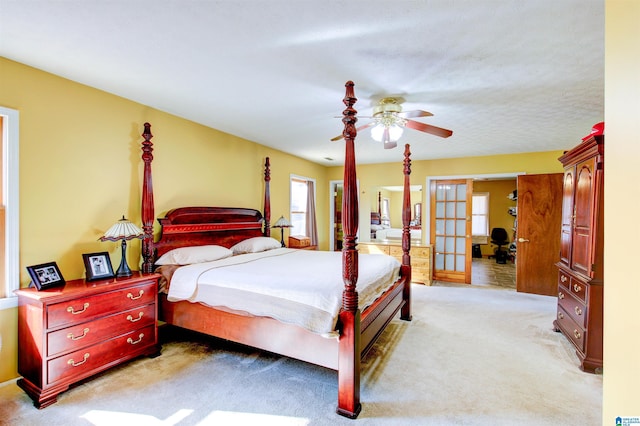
45,275
97,266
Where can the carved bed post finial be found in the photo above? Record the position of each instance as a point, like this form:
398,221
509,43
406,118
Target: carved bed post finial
267,198
147,201
350,204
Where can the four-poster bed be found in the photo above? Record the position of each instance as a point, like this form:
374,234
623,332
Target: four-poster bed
357,327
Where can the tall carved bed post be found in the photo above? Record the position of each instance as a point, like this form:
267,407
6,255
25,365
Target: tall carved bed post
349,358
267,198
405,312
148,212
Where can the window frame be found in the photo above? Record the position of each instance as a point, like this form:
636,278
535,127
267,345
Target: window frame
10,194
299,178
485,195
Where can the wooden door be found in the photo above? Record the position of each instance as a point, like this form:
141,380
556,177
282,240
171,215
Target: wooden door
538,233
451,229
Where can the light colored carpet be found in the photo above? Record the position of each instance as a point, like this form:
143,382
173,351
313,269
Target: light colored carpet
471,356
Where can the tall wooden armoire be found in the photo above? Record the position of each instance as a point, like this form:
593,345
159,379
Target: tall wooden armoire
580,269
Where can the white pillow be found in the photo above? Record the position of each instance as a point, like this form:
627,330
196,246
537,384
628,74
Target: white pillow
255,245
194,254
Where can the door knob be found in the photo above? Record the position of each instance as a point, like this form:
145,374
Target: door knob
522,240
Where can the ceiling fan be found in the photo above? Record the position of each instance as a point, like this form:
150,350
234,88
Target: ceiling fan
389,122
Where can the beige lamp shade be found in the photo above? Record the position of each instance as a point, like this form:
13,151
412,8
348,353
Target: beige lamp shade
122,230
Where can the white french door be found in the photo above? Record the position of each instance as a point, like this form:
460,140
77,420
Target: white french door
450,234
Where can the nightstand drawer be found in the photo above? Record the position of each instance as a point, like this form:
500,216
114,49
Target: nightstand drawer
89,333
86,308
85,362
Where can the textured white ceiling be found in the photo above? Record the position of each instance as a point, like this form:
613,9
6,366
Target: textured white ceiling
507,76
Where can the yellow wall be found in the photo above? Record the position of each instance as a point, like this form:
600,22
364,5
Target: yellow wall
622,207
8,344
80,171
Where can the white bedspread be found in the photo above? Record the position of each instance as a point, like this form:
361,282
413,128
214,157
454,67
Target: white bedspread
301,287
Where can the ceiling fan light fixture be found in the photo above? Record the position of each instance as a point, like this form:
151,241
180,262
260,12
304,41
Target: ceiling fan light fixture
395,132
387,131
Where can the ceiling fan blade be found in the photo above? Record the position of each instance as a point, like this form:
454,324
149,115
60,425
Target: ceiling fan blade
390,145
438,131
337,138
415,113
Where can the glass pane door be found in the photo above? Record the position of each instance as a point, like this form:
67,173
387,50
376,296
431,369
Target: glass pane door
451,230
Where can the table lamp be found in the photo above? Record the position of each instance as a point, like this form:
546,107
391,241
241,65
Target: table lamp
282,223
123,230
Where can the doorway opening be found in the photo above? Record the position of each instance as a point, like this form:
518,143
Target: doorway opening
479,269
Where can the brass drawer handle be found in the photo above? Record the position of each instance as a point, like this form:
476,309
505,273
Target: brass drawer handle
132,319
135,342
560,315
84,333
72,362
560,295
578,310
563,279
577,288
577,334
132,297
74,312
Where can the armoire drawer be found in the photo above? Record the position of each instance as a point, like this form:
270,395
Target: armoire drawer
576,334
575,308
574,285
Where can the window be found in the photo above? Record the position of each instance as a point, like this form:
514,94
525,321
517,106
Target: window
480,214
384,213
303,208
298,206
9,254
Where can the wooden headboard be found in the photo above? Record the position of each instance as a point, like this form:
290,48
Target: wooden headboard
197,226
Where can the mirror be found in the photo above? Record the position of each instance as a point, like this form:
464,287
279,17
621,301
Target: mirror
386,213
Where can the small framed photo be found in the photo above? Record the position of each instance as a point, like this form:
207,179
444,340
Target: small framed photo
97,266
45,276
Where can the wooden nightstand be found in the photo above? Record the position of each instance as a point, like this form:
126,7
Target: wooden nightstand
69,333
